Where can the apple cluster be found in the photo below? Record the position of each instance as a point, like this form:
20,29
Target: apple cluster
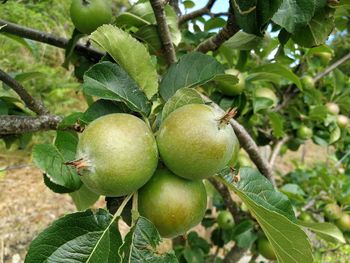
118,154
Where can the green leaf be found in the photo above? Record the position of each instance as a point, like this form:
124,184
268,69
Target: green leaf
335,135
193,255
67,142
277,123
188,4
293,191
264,76
84,198
294,13
243,41
73,41
25,76
282,70
318,113
274,214
181,98
140,244
79,237
130,54
317,30
48,158
213,23
253,16
149,35
128,19
327,231
109,81
244,234
103,107
262,104
193,69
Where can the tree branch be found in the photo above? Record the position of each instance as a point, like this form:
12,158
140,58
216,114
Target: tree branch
33,104
43,37
14,124
276,150
332,67
163,30
226,196
248,144
224,34
203,11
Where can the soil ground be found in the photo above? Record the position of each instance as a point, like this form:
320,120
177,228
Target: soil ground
27,206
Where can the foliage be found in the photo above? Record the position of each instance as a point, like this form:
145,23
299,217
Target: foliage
280,44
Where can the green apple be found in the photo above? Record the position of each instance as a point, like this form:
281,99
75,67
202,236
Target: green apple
342,121
267,94
265,248
304,132
343,222
307,82
232,89
332,211
332,108
88,15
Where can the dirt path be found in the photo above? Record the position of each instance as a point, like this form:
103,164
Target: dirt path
27,206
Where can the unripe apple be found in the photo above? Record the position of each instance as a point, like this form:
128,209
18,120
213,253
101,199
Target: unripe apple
88,15
332,108
343,222
307,82
304,132
325,57
265,248
117,154
232,89
235,154
332,211
267,94
194,142
225,220
173,204
342,121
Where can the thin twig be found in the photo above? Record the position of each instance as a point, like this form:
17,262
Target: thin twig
276,150
202,11
226,196
224,34
33,104
332,67
43,37
163,29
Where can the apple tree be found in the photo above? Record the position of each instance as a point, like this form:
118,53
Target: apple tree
181,99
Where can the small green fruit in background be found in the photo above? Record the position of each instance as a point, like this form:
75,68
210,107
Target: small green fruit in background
265,248
232,89
194,143
306,217
342,121
225,220
307,82
267,94
173,204
332,211
332,108
88,15
304,132
325,57
343,222
119,152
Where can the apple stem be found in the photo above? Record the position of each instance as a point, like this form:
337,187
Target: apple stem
78,164
228,116
86,2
